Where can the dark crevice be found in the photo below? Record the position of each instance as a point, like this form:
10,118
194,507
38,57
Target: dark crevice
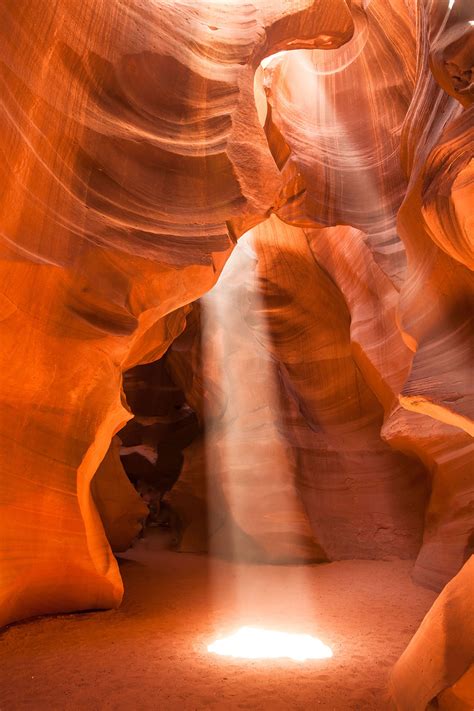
153,442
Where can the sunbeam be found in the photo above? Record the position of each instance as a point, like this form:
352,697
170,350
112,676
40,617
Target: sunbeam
256,515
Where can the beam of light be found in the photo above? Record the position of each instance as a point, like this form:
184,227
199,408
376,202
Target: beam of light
268,60
258,515
451,4
257,643
314,91
257,524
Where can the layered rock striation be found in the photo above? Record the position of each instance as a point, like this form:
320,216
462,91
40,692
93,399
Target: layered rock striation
132,157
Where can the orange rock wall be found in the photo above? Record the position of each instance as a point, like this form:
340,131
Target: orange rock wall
441,651
402,164
133,157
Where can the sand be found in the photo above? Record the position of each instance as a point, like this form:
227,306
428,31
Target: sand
152,652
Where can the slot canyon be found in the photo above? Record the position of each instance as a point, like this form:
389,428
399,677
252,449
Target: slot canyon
236,384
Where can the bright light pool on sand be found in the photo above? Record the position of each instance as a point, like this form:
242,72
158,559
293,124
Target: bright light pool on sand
256,643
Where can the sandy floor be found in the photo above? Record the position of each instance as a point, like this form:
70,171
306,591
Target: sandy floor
152,653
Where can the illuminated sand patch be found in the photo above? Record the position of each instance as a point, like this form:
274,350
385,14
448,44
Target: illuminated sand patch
256,643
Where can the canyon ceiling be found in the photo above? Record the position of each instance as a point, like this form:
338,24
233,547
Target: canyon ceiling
139,141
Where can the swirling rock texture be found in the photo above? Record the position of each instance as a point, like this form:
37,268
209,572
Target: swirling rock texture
421,384
140,140
364,500
131,150
437,406
277,367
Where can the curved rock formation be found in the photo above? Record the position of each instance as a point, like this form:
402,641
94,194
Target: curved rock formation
121,510
442,650
131,150
364,500
433,419
399,341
